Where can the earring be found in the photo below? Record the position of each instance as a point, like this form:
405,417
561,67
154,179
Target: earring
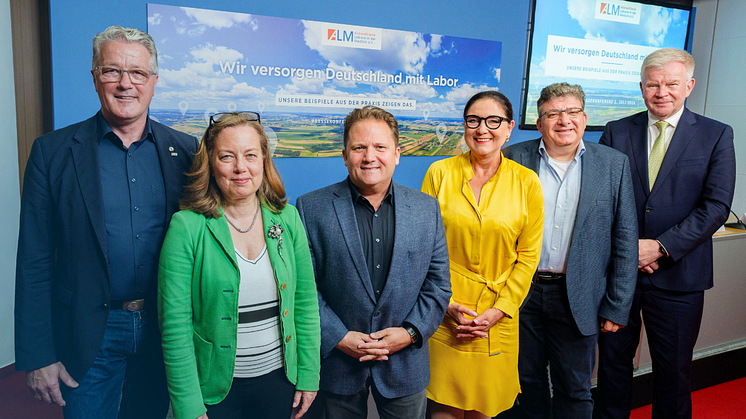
507,138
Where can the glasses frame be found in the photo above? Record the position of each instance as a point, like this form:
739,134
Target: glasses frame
500,118
121,74
247,115
565,111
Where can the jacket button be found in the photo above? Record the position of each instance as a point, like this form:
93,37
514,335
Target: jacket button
105,305
287,339
283,286
285,313
648,209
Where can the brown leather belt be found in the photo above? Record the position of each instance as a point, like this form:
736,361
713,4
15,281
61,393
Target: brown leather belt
128,305
549,278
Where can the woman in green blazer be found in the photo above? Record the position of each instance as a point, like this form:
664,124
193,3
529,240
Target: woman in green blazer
237,340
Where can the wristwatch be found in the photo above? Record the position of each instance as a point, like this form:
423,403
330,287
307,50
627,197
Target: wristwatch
662,248
412,332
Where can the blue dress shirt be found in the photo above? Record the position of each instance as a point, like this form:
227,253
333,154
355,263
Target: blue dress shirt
134,209
561,198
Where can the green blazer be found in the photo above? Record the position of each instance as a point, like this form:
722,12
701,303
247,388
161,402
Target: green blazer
198,281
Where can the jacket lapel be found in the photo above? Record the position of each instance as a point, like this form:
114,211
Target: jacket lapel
219,229
638,137
276,247
348,225
681,138
589,188
85,156
170,167
403,222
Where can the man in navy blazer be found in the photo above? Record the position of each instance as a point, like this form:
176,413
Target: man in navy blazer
98,196
684,171
588,268
381,263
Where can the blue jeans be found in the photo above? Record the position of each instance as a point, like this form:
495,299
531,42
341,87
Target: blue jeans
549,335
127,379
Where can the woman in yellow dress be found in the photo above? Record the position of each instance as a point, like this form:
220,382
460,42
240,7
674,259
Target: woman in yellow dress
493,212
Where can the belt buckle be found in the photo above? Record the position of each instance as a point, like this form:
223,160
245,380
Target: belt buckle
134,305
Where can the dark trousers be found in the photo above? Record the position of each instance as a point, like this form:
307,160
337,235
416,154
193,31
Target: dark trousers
355,406
550,337
672,320
269,396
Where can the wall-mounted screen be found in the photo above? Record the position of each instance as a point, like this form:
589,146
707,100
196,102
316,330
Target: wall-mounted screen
600,45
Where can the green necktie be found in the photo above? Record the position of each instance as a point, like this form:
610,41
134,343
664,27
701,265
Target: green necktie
657,153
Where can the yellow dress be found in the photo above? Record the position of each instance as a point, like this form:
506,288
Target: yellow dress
494,250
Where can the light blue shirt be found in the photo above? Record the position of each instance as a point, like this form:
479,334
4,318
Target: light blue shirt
560,206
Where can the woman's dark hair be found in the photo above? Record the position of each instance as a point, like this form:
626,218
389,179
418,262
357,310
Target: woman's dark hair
494,95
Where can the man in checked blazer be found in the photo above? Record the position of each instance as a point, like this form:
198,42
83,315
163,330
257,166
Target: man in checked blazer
381,264
684,174
588,267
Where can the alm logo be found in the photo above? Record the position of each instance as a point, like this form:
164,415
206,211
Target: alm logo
609,9
339,35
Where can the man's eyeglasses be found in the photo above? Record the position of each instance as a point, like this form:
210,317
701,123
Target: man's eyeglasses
556,113
114,74
492,121
247,115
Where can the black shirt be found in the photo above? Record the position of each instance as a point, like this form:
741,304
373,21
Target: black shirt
376,229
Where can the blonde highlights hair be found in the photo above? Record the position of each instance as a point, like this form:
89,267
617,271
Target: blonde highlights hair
663,56
202,194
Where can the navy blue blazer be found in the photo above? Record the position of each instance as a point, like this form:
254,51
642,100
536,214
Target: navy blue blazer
417,290
691,196
603,255
62,271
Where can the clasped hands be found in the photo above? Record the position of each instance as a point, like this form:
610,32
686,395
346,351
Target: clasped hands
376,346
476,325
650,252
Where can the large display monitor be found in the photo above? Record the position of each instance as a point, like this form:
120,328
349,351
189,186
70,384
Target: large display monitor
600,45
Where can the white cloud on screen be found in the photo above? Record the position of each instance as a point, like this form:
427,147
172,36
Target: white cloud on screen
217,19
203,72
651,31
460,95
155,19
410,50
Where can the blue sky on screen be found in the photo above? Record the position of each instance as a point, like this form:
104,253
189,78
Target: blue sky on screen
192,43
659,27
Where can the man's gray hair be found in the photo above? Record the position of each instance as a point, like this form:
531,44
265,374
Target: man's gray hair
118,33
663,56
556,90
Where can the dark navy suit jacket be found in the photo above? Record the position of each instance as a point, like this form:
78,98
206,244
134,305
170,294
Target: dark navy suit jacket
691,196
602,259
62,271
417,288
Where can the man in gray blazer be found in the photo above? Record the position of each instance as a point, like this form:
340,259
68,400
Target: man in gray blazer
588,267
381,264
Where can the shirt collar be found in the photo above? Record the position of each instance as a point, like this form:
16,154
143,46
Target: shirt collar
103,128
672,120
543,150
356,195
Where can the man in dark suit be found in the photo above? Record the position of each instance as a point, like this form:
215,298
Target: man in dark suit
683,167
587,271
98,196
381,263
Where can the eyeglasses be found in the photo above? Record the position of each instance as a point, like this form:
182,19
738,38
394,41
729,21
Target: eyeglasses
247,115
492,121
114,74
556,113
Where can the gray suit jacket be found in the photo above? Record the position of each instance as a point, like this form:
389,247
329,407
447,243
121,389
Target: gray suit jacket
417,288
602,259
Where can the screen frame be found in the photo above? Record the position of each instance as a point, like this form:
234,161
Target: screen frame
523,124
